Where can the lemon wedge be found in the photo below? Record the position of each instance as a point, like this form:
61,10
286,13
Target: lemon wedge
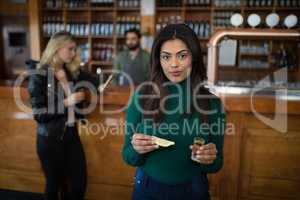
163,142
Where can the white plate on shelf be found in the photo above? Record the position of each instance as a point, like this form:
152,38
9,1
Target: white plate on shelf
253,20
236,19
290,21
272,20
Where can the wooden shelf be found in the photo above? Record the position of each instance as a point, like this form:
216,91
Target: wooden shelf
198,8
80,37
102,37
258,8
287,9
53,9
235,68
128,9
79,9
254,55
227,9
169,9
203,39
104,63
255,70
108,9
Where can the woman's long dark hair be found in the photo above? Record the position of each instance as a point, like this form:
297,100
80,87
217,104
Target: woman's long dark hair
157,76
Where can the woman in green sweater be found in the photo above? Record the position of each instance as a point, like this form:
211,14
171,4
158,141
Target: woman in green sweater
176,107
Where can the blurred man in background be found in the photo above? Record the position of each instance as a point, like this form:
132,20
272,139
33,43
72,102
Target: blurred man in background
133,61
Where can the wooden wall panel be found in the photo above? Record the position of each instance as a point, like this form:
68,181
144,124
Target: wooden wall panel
270,164
35,27
9,8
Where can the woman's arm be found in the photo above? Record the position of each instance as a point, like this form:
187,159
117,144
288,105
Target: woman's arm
37,89
133,118
217,136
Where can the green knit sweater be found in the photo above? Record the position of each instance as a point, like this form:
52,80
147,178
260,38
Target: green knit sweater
173,165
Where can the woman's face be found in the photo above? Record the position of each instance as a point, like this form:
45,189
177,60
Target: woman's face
67,53
176,60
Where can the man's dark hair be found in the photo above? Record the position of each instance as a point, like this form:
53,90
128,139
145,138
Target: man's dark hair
133,30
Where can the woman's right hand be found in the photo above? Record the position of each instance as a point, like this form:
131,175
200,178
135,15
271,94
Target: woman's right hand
143,143
74,98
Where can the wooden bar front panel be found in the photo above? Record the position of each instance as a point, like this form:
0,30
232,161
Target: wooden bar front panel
259,162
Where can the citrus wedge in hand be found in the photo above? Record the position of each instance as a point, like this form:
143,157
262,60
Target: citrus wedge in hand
163,142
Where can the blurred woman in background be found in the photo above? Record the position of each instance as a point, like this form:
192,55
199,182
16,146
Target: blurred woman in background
54,101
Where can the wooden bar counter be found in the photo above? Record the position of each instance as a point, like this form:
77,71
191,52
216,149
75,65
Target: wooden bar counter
259,161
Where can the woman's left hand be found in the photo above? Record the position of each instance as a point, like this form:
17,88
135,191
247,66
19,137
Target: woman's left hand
205,154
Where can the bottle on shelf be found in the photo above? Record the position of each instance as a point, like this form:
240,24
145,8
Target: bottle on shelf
102,27
78,27
260,3
251,49
102,3
170,3
76,3
222,19
84,52
288,3
171,19
201,28
125,23
198,3
227,3
53,4
102,52
128,3
253,64
52,24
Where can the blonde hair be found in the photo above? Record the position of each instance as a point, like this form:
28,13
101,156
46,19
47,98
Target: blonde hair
49,57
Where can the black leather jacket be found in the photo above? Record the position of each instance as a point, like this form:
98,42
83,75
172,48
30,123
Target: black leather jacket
47,102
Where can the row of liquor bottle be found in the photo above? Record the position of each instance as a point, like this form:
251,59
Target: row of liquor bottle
253,64
222,19
256,3
266,3
102,52
169,3
254,49
106,28
119,3
102,3
178,3
201,28
53,24
125,23
67,3
198,2
227,3
53,3
162,21
76,3
93,3
128,3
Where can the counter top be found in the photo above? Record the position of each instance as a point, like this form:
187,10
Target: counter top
233,102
